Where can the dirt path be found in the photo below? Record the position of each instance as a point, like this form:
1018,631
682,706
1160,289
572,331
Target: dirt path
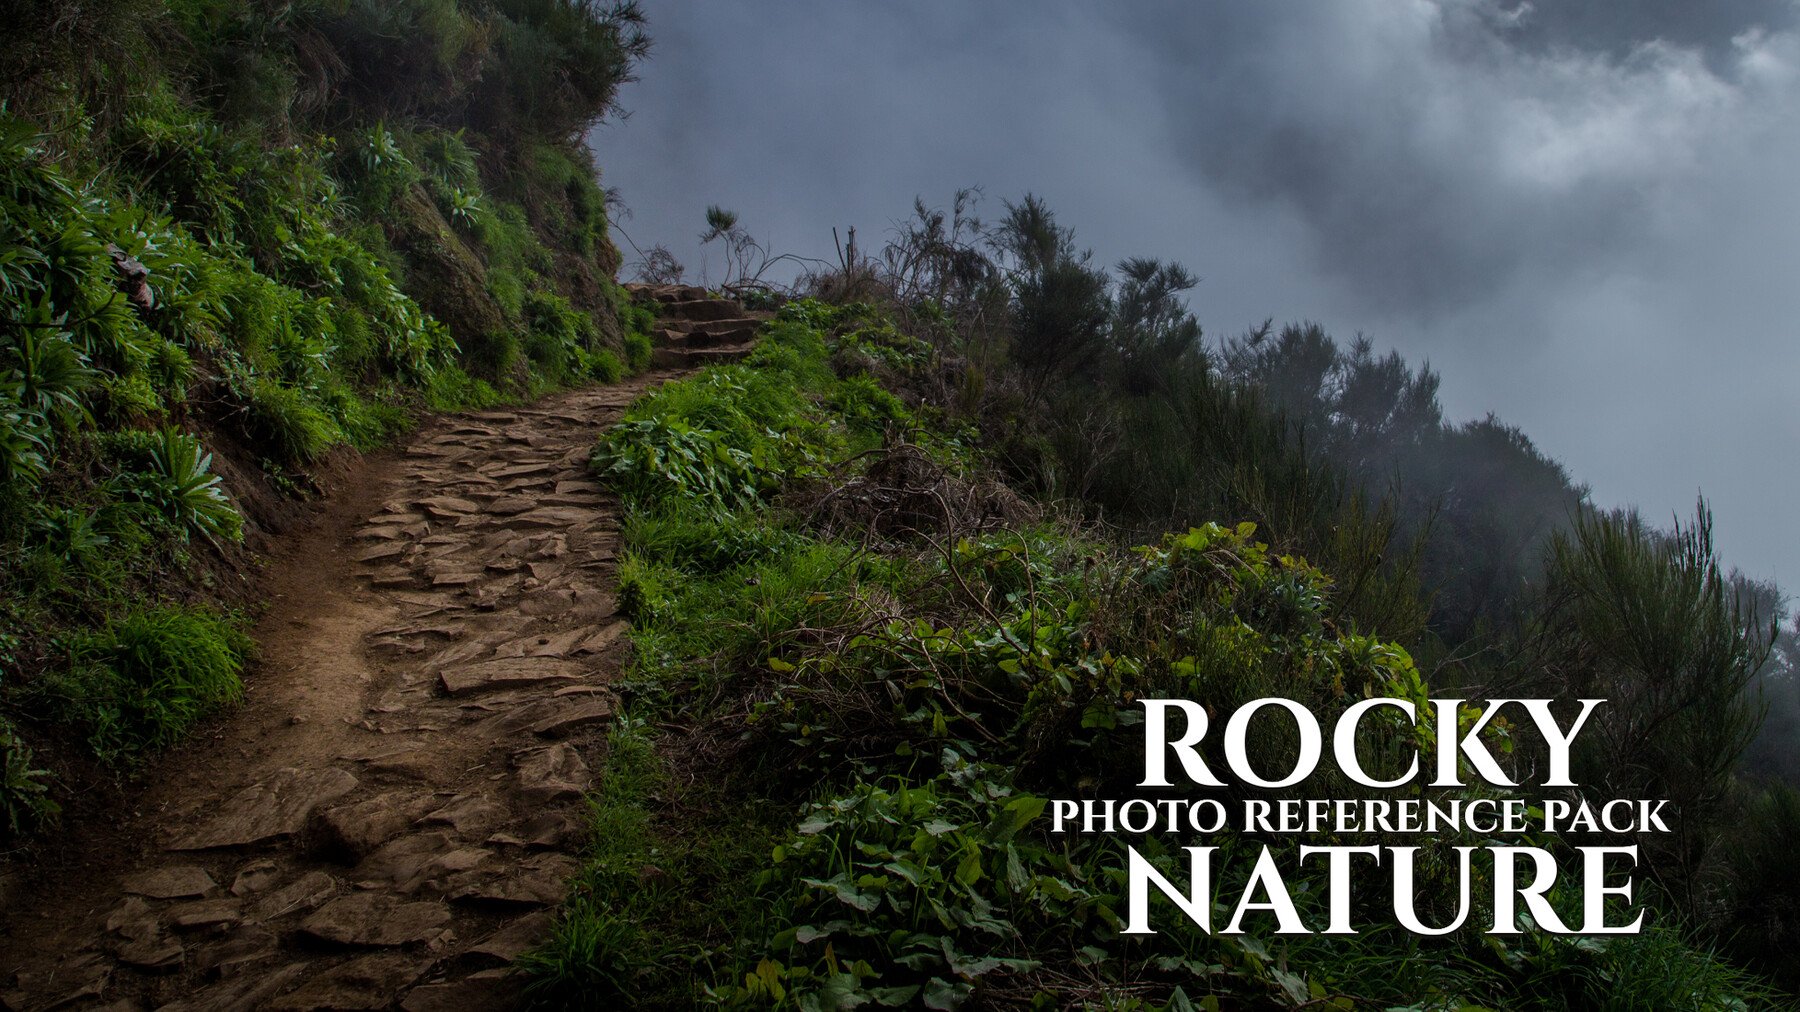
389,817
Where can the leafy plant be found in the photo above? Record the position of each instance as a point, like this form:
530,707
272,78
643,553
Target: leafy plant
652,459
24,789
183,489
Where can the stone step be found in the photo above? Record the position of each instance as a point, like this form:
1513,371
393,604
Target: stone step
702,309
745,323
677,357
708,336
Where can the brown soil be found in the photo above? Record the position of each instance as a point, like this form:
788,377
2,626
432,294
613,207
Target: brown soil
394,811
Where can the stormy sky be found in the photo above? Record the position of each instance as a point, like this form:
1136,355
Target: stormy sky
1584,214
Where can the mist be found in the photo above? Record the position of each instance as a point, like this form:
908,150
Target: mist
1579,214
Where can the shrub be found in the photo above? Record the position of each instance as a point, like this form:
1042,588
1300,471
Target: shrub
604,366
145,678
288,424
638,350
650,460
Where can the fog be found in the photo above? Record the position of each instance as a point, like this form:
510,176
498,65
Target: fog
1582,214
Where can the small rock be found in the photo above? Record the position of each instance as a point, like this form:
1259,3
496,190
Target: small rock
156,953
546,831
255,877
132,918
552,774
472,815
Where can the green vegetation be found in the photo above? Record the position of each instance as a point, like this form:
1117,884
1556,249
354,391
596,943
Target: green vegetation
881,662
233,242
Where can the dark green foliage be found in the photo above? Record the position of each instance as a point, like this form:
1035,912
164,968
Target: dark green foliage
1060,302
1646,621
25,800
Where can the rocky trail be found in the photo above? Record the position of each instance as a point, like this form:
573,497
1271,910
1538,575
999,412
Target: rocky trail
395,811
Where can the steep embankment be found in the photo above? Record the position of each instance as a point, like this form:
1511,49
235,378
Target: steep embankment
397,804
238,244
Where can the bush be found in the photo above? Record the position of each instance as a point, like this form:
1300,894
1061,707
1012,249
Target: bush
145,678
283,420
638,350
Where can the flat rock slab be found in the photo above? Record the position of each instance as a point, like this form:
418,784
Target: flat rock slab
472,816
348,832
413,863
388,551
171,883
489,989
554,717
552,516
539,881
246,945
376,919
448,507
552,774
246,991
512,940
606,637
77,978
201,914
560,644
304,893
276,807
507,673
369,982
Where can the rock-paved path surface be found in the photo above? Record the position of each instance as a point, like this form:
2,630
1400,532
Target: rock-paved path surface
394,812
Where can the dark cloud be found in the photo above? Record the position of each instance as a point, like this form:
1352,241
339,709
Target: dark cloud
1617,28
1579,211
